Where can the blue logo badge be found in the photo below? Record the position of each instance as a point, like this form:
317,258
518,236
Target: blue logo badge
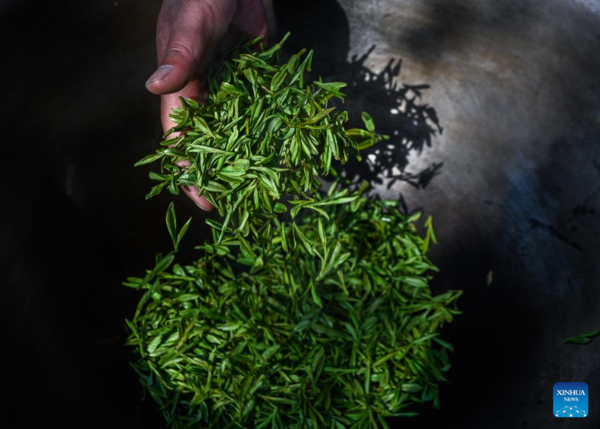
570,400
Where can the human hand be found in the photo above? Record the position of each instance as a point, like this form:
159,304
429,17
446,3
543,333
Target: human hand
188,36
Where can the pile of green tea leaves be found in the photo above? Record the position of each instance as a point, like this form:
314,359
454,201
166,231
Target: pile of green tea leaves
323,319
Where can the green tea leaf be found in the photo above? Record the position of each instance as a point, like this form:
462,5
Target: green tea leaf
584,338
171,221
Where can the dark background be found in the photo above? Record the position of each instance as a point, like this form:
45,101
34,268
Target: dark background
513,191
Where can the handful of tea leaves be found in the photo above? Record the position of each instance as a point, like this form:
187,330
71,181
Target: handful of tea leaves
262,135
319,320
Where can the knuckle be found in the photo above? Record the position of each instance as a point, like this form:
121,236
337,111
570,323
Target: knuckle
219,13
178,48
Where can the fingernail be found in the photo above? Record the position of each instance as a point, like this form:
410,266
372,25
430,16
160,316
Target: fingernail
199,201
206,209
160,73
200,207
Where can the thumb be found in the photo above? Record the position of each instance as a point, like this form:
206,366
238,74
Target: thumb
184,36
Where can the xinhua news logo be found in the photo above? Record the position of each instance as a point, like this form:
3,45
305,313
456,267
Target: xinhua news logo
570,400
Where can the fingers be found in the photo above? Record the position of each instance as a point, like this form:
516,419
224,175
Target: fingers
251,19
193,90
169,101
194,195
